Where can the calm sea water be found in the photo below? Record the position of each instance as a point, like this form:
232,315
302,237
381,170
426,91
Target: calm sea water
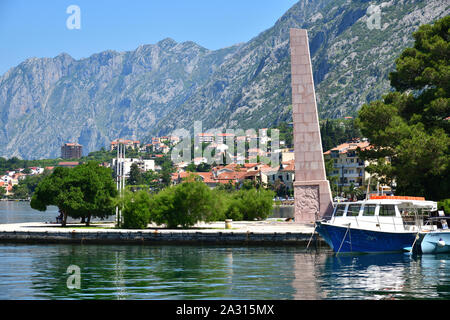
210,272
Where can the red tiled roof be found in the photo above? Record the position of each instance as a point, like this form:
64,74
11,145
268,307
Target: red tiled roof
288,165
72,144
250,165
231,166
349,146
225,134
68,163
125,141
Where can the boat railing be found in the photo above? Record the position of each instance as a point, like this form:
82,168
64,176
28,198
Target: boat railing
414,220
441,221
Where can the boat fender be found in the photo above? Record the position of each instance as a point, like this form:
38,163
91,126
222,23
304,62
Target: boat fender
441,243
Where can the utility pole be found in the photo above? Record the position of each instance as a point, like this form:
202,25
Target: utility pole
120,178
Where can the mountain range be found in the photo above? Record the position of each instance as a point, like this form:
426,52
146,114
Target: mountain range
158,88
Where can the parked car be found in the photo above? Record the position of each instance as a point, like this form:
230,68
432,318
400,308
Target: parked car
339,199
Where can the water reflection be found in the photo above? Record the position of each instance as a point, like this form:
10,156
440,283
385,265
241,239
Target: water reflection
209,272
385,276
136,272
306,272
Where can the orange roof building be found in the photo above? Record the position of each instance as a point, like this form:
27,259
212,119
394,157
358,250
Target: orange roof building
347,166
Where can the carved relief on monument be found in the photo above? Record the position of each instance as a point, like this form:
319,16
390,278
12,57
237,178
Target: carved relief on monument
307,201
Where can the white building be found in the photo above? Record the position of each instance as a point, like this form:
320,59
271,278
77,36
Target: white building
143,165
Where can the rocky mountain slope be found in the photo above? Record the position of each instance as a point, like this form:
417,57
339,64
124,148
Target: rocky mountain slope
158,88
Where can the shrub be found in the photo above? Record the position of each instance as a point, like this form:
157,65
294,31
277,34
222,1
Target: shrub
184,205
136,210
192,201
219,204
250,204
233,210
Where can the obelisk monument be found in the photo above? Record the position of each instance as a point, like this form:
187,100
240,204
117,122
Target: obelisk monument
312,192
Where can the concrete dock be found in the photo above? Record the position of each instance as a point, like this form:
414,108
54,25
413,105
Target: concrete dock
267,232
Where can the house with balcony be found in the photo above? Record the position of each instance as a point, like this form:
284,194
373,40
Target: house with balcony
347,166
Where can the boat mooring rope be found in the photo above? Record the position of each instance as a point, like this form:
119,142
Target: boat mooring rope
345,235
312,235
417,237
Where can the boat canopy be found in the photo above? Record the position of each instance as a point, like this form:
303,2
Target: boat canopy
407,203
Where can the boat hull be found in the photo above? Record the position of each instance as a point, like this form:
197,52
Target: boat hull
436,242
363,240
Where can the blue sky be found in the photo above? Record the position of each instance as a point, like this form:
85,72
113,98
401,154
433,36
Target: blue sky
38,28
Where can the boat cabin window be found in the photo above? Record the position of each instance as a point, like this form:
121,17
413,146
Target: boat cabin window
387,210
353,210
369,210
340,209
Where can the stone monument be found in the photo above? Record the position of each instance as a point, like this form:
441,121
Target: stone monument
312,192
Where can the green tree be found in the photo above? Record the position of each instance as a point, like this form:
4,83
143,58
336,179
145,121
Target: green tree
54,190
166,173
286,134
20,191
337,131
444,205
228,187
191,167
2,192
82,192
135,177
98,188
280,188
407,129
152,179
332,178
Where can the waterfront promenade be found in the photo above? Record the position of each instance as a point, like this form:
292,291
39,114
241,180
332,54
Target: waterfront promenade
267,232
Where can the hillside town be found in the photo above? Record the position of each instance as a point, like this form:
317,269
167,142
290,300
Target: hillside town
221,168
